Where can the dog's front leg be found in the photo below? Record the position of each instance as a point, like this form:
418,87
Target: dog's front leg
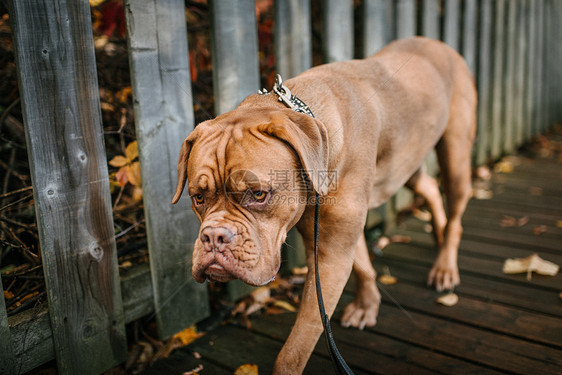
336,253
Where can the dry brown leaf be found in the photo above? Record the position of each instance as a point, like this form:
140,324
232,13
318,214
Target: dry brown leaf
559,223
539,229
449,299
532,263
247,369
383,242
300,271
535,190
504,166
482,194
422,215
8,294
398,238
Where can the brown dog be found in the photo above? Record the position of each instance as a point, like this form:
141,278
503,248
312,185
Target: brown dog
376,120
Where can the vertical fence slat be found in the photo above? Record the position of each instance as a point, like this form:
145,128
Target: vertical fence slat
157,38
235,67
484,82
531,60
405,19
498,110
451,29
431,19
520,67
293,37
541,76
338,30
509,83
235,52
377,25
470,34
7,363
60,99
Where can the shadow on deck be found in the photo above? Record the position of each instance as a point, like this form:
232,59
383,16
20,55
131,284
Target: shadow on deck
501,324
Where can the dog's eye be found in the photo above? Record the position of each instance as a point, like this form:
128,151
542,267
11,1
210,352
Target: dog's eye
198,199
259,195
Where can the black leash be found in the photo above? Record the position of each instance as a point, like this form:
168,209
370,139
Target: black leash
298,105
337,359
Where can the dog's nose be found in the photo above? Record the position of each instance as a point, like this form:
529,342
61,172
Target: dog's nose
216,238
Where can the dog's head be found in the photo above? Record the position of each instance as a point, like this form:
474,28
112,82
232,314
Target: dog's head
249,173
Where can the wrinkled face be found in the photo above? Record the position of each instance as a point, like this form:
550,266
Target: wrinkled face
247,192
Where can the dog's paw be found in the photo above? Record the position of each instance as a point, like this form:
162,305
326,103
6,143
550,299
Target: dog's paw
444,275
363,311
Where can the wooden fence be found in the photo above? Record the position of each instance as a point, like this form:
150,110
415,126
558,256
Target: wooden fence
513,47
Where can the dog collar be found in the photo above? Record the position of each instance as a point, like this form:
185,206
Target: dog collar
286,97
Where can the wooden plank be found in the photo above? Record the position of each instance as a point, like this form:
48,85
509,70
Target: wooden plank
293,37
485,348
235,52
57,81
431,19
451,29
502,292
391,356
539,328
509,83
378,25
338,30
498,93
406,18
7,362
484,84
470,34
157,39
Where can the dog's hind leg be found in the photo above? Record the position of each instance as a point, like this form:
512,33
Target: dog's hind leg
454,153
428,188
363,311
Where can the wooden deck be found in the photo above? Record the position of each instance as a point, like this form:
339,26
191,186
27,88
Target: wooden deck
502,323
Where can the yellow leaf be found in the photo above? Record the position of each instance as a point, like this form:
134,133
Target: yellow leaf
137,194
118,161
450,299
559,223
247,369
133,174
121,176
132,151
285,305
388,279
8,294
187,336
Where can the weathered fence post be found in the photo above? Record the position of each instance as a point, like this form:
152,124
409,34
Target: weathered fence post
157,37
378,25
60,99
469,34
484,83
235,52
293,37
338,30
235,67
7,363
520,67
509,84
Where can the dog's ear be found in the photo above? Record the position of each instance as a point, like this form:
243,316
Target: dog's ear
309,139
182,165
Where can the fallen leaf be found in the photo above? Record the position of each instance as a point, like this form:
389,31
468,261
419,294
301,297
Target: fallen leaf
247,369
261,295
8,294
532,263
383,242
449,299
483,173
387,280
559,223
539,229
118,161
422,215
195,371
132,151
300,271
482,194
522,221
398,238
285,305
503,166
187,336
535,190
